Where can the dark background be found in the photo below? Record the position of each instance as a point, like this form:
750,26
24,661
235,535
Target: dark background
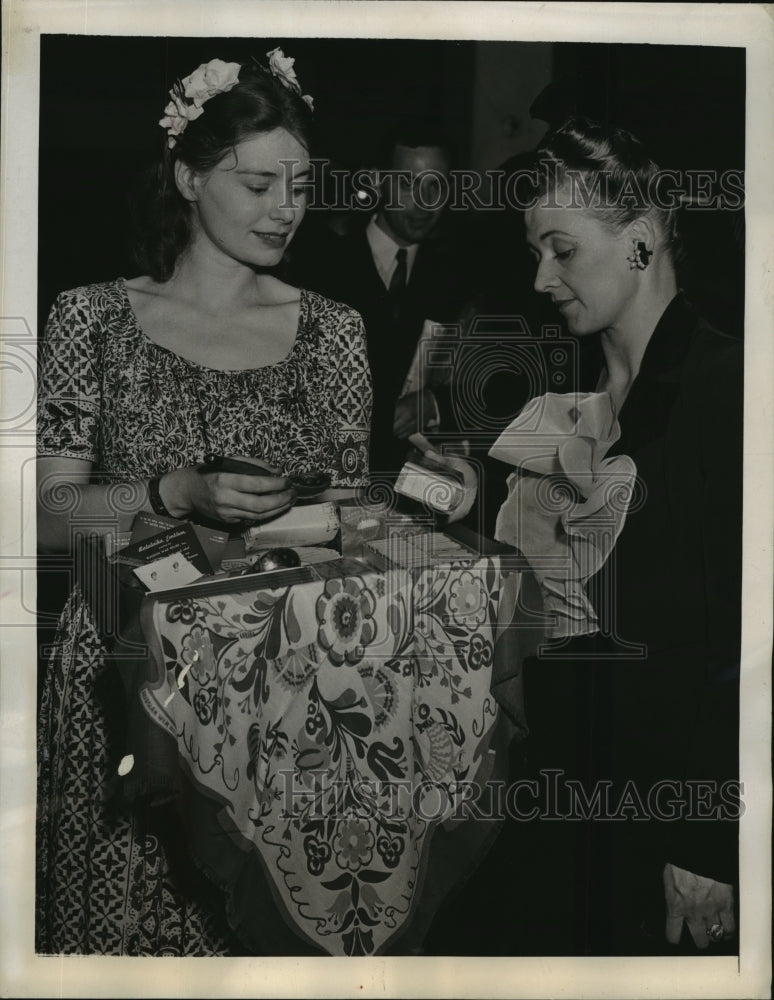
101,99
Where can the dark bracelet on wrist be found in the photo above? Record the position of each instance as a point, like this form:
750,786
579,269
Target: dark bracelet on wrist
157,504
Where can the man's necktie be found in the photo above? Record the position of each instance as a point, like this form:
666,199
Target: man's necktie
398,279
397,289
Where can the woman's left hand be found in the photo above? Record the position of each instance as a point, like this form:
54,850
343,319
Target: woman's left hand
700,902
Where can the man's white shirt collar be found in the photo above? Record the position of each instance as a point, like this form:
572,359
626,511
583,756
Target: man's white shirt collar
383,250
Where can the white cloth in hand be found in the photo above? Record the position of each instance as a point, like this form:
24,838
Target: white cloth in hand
566,503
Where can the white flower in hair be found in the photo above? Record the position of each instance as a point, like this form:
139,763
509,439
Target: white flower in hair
214,77
177,116
189,94
281,66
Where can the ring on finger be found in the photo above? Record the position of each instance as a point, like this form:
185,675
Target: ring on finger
716,932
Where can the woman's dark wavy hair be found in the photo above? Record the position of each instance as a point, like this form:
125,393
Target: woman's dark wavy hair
258,104
592,152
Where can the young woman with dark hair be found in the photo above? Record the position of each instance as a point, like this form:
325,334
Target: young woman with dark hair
206,352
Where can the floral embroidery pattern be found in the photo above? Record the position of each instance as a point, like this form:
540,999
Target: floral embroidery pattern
184,611
338,722
480,652
345,613
196,653
353,844
468,599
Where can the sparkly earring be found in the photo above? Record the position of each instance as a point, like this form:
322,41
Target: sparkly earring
640,257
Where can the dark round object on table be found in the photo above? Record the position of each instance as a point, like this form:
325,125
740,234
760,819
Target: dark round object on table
278,559
310,484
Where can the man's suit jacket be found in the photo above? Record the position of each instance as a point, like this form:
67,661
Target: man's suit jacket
342,267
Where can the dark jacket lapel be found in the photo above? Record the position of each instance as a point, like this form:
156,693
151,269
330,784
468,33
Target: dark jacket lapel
645,415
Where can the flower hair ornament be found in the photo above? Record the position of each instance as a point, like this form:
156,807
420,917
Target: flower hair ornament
189,95
281,66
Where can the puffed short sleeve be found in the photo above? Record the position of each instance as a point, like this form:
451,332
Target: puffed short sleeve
352,400
69,384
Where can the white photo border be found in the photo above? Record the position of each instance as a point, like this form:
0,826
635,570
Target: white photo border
22,974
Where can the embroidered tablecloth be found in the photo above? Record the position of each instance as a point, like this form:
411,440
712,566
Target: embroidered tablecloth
332,726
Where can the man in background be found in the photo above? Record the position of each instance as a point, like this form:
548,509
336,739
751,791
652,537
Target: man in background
403,274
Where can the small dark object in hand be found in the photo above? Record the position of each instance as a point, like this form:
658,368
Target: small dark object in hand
218,463
277,559
305,484
310,484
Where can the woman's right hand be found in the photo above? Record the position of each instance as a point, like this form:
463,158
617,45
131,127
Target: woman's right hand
229,497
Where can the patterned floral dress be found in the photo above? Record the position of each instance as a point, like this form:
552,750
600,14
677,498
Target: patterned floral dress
111,880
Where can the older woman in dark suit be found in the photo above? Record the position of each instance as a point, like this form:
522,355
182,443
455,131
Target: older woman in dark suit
642,717
656,690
